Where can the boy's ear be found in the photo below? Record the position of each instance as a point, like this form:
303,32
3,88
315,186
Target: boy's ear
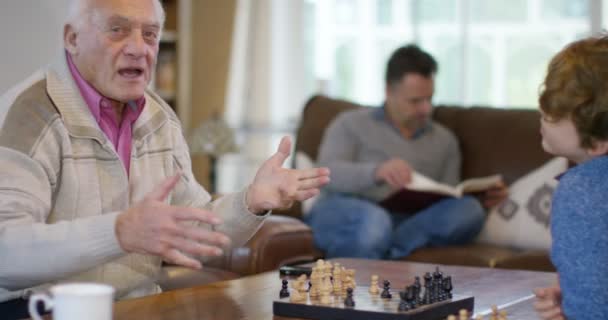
600,148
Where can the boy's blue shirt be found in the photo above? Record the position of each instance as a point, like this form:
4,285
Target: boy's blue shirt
579,228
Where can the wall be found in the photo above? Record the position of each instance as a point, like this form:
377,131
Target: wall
212,26
31,35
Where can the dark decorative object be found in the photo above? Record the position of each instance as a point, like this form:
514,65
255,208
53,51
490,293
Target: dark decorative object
507,209
539,204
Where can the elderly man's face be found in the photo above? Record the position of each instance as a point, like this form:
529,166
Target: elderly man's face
115,48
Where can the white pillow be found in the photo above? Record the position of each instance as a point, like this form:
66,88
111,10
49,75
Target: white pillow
522,220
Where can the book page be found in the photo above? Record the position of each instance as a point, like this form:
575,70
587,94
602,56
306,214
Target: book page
422,183
479,184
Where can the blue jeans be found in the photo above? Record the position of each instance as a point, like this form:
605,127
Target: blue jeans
346,226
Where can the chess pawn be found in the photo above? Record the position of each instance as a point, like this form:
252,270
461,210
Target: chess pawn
295,296
373,286
284,291
451,317
386,291
447,287
348,301
403,304
337,276
325,291
463,314
315,283
502,315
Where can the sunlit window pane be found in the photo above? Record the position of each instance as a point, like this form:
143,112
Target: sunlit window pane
481,86
345,71
436,10
345,11
560,9
527,60
384,13
498,10
489,52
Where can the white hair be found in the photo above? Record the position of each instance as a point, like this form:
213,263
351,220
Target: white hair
79,10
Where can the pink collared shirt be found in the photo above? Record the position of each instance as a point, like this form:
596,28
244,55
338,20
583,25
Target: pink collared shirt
120,134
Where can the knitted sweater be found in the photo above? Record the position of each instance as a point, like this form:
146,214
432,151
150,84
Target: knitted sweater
62,185
579,227
358,141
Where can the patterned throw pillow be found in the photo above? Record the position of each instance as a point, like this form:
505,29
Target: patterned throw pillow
522,220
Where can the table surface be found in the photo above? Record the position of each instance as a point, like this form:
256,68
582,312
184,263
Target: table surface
252,297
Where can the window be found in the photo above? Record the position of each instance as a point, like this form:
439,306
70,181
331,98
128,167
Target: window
490,53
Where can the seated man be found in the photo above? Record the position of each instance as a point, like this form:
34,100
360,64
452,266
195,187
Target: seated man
369,150
96,181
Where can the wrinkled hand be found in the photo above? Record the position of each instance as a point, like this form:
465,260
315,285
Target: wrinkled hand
548,303
495,195
396,172
155,228
275,187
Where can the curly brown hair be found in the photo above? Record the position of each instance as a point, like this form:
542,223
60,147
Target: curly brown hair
576,88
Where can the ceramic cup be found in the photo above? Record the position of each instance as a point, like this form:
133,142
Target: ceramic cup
75,301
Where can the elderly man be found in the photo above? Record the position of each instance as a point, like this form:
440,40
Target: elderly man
96,181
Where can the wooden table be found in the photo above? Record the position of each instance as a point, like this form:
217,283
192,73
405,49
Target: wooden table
252,297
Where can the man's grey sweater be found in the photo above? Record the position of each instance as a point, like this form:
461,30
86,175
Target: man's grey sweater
358,141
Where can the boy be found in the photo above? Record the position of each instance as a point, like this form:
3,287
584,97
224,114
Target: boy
574,124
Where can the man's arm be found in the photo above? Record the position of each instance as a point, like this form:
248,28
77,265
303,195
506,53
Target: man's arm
338,152
34,252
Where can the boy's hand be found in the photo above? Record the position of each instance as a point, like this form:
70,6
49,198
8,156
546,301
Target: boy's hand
548,303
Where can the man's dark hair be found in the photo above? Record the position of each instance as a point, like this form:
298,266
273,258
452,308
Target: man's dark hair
409,59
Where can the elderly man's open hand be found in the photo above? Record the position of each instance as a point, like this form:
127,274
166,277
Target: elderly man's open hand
275,187
156,228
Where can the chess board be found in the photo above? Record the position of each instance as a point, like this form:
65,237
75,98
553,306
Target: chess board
369,306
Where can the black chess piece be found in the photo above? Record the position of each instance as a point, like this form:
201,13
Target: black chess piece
417,289
411,297
386,291
403,304
428,285
348,301
447,287
438,286
284,291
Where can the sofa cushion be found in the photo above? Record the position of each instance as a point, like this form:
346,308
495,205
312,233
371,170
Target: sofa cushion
522,220
493,140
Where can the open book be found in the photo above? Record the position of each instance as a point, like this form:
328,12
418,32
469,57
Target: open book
423,191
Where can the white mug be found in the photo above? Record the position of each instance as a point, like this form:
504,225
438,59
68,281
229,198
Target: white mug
75,301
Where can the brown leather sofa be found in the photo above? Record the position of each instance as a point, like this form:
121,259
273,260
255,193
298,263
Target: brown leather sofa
280,241
492,140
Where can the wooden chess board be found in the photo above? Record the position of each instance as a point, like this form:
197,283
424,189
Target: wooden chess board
369,306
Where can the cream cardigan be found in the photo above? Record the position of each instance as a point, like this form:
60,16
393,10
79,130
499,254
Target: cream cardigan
62,186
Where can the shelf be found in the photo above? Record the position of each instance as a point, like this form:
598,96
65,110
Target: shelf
168,36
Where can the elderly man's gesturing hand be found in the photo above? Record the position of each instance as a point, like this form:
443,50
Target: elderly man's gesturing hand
275,187
153,227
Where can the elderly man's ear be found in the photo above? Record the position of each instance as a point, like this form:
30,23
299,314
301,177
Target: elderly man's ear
69,38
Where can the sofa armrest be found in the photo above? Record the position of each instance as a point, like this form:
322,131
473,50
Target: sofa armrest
281,240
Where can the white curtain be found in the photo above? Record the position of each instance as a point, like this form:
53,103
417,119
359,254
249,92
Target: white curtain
265,91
